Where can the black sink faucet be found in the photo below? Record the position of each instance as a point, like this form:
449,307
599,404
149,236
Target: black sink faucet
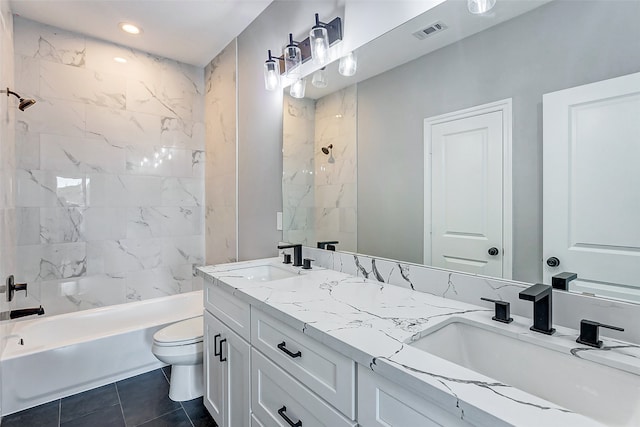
541,296
328,245
297,253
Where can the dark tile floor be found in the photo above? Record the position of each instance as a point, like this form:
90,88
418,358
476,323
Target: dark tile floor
138,401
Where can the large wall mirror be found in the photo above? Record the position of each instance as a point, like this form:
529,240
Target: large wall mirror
478,128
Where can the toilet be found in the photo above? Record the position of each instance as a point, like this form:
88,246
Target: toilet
180,345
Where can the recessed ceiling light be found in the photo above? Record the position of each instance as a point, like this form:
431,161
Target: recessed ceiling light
120,60
130,28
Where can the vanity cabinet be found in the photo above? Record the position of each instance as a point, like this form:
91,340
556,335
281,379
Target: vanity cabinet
383,403
227,372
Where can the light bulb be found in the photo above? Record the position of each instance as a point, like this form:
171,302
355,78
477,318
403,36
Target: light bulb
348,64
292,60
169,156
319,39
478,7
298,88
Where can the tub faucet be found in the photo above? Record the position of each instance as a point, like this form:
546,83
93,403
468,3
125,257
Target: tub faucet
14,314
541,295
297,253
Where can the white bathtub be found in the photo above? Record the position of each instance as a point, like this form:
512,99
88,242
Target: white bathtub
53,357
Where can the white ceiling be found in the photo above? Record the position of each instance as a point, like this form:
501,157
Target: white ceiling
191,31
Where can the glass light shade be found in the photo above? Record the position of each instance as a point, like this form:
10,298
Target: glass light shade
319,40
297,88
348,64
292,60
271,74
320,78
478,7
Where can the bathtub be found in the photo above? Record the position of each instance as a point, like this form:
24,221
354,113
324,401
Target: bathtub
53,357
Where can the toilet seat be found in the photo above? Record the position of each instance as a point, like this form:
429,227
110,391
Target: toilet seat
186,332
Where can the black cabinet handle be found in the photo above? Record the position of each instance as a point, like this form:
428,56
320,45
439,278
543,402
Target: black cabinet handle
222,358
215,345
282,411
493,251
282,347
553,261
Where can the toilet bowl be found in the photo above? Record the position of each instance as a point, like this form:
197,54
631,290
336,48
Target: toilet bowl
180,345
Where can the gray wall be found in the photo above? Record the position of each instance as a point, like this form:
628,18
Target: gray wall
519,59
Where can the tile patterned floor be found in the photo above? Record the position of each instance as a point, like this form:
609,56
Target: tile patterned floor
138,401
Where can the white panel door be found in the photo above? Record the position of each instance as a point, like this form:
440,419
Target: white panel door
591,181
467,194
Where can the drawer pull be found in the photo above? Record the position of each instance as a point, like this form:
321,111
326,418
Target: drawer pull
282,347
215,345
222,359
282,411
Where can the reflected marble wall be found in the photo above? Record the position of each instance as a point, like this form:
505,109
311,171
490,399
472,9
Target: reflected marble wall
336,174
220,170
110,171
319,190
7,162
298,184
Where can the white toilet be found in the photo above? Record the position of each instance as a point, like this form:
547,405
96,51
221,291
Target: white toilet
180,345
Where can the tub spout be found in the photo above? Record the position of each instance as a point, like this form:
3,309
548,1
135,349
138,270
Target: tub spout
14,314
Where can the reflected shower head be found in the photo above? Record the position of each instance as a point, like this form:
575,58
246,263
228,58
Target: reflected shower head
24,103
326,150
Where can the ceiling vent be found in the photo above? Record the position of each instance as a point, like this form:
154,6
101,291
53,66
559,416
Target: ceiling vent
432,29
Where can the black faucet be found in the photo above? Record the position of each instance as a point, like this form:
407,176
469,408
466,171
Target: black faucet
328,245
502,310
297,253
589,334
14,314
561,281
541,295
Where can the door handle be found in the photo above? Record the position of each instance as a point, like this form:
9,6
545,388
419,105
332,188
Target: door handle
493,251
553,261
282,346
222,358
215,346
282,411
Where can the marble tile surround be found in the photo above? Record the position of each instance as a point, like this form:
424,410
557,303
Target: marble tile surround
568,308
319,190
220,167
110,172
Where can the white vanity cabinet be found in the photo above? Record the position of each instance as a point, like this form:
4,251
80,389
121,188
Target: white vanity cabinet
383,403
227,362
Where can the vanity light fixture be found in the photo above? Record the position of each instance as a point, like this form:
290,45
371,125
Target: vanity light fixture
478,7
319,78
348,64
292,58
298,88
319,38
130,28
272,73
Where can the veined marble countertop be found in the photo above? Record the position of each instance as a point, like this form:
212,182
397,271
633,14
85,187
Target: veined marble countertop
372,322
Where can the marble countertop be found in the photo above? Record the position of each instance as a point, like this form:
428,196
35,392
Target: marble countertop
372,323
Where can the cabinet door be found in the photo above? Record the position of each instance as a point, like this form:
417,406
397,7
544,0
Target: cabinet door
215,374
227,374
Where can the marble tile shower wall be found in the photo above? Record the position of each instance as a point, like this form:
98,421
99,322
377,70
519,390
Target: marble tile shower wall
298,183
220,170
110,167
336,173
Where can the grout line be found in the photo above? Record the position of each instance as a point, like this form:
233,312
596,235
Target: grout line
59,411
120,403
187,414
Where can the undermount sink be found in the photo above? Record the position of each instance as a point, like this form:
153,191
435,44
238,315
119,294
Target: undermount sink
605,394
264,273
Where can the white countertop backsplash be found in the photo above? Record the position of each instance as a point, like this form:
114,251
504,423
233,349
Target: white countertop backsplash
371,322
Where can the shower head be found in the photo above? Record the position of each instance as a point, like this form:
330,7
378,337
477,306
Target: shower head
24,103
326,150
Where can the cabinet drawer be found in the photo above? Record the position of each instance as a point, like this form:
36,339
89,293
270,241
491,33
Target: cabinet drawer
234,313
327,373
276,395
383,403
